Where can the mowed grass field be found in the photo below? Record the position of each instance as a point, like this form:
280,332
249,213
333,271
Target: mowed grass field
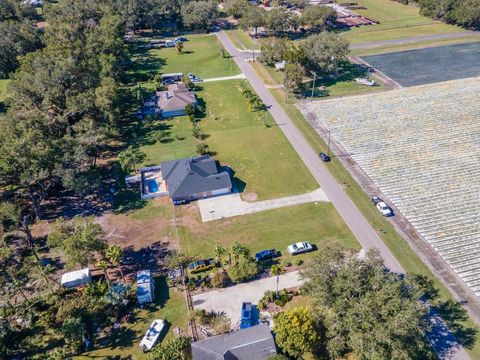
201,56
261,156
318,223
395,21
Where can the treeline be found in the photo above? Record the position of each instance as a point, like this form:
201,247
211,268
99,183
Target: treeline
279,19
64,104
17,34
464,13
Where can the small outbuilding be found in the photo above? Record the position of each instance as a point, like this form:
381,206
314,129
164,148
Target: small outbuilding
145,287
76,278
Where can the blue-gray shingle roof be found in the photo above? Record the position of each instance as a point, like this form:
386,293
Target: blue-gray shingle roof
253,343
190,176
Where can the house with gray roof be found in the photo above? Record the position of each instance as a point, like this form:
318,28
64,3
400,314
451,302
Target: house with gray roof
195,178
173,101
253,343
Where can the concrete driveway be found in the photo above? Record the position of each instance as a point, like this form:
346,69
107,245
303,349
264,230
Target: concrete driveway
232,205
229,300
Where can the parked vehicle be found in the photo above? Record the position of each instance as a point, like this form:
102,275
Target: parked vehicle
152,334
181,39
324,157
265,255
300,248
366,82
247,315
201,265
376,200
384,209
194,79
170,43
171,78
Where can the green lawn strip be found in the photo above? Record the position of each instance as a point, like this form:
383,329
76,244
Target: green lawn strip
415,45
318,223
400,33
399,247
169,305
242,39
201,56
4,88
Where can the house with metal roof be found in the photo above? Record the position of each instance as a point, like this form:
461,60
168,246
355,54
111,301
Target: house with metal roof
253,343
173,101
195,178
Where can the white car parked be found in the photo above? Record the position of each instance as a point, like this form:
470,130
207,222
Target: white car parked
384,209
299,248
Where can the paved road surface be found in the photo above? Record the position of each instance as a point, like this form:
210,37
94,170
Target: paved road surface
414,39
359,226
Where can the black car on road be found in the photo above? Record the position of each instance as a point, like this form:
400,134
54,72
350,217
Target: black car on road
324,157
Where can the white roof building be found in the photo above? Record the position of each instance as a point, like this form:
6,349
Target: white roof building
76,278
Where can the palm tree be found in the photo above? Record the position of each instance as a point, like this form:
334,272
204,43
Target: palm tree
115,255
277,271
179,46
130,157
219,251
236,250
103,265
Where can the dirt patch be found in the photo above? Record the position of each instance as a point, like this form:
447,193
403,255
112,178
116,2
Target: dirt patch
249,196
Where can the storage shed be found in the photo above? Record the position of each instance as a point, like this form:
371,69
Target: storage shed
76,278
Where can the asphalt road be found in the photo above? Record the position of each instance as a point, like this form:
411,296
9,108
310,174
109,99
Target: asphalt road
359,226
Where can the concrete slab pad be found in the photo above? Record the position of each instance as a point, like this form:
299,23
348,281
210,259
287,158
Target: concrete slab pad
229,300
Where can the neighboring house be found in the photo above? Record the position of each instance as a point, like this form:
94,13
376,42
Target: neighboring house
253,343
172,102
195,178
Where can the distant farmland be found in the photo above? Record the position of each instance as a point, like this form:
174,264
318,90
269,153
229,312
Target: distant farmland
421,146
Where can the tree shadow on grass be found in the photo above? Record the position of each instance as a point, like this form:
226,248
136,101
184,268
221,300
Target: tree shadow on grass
144,66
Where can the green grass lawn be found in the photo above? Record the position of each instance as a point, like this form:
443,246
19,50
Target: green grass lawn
125,343
415,45
242,40
273,229
396,21
201,56
323,88
409,260
3,88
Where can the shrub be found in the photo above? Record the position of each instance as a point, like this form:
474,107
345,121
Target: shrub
285,263
220,279
244,270
297,262
179,137
202,148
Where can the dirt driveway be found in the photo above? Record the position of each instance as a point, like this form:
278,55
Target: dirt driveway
229,300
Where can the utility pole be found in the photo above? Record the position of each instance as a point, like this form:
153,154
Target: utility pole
313,85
